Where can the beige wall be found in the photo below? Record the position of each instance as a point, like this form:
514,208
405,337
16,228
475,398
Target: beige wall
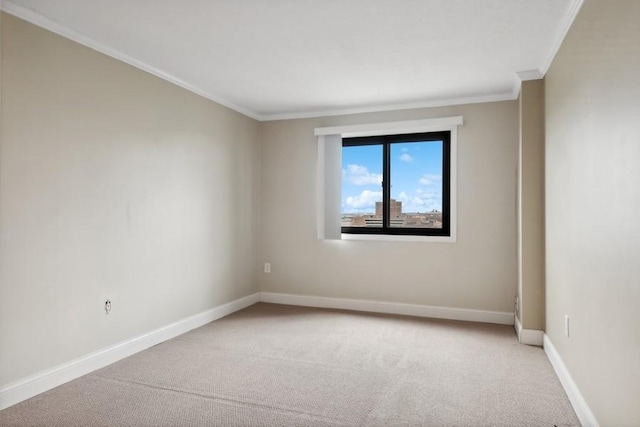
592,207
114,184
477,272
531,206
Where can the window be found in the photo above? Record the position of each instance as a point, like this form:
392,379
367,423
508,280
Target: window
396,184
394,153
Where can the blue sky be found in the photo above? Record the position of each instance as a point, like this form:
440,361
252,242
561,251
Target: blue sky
416,176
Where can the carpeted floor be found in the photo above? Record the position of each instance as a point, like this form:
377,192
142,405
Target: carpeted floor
276,365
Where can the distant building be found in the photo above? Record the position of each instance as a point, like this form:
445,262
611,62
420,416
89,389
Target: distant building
358,221
431,219
395,209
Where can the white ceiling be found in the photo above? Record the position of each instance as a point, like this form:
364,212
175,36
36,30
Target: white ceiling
274,59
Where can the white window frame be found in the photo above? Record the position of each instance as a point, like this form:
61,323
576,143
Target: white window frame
329,175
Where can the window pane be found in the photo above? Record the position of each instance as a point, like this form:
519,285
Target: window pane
416,184
362,186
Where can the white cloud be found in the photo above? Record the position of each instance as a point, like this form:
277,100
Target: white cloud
402,197
428,179
360,175
365,201
422,201
406,158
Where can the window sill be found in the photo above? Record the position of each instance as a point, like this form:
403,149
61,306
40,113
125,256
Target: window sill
399,238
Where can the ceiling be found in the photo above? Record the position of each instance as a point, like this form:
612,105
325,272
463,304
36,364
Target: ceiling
273,59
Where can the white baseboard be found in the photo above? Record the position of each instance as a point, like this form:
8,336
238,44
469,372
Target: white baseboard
586,417
503,318
529,336
33,385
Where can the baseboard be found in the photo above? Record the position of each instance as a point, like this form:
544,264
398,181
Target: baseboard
586,417
33,385
502,318
529,336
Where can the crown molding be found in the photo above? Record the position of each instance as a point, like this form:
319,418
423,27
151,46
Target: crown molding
42,21
39,20
567,22
529,75
503,96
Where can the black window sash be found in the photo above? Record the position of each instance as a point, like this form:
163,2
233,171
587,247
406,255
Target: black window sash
386,141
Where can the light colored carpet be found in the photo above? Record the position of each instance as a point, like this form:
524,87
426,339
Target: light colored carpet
276,365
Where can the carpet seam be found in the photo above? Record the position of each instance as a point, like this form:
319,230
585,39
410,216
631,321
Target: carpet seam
225,399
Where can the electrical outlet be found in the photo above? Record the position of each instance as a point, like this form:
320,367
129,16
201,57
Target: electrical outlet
107,306
267,267
566,325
